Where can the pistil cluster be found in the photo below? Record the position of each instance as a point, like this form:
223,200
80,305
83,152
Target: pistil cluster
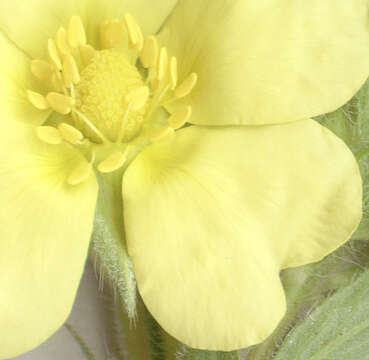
107,95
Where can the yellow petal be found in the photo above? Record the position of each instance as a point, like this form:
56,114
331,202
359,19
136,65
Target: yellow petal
45,233
43,70
268,61
30,23
16,84
212,216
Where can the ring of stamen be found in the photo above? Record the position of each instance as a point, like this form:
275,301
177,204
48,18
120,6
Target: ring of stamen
104,96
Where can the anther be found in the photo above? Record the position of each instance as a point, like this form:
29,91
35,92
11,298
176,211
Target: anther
54,54
70,71
76,32
150,52
186,86
80,174
179,118
49,135
162,63
138,97
139,36
129,22
111,34
113,162
41,69
162,134
87,53
62,41
70,133
57,82
155,85
173,72
60,103
37,100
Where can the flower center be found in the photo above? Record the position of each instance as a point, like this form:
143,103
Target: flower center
100,96
108,98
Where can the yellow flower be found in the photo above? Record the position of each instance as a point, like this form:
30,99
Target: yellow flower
211,213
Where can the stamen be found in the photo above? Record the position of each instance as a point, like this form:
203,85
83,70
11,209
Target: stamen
76,32
100,98
156,101
111,34
173,72
91,126
179,118
124,123
139,36
150,52
57,81
131,29
80,174
162,134
41,69
70,133
113,162
37,100
60,103
70,71
134,32
54,54
162,64
155,85
49,135
138,97
87,53
186,87
62,41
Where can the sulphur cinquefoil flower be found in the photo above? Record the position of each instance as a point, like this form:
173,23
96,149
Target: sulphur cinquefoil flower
211,213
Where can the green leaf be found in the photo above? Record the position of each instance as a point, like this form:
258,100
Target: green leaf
337,330
308,286
192,354
108,241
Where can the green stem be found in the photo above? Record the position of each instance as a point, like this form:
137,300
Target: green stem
81,342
